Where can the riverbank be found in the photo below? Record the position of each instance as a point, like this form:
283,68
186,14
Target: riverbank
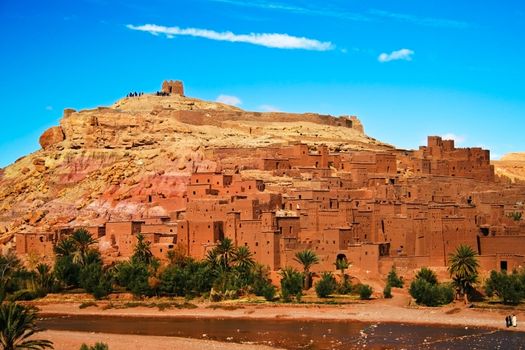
63,340
381,310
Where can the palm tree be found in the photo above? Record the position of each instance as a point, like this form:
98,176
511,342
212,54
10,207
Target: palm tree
142,252
44,278
307,258
342,265
291,283
243,258
82,240
463,268
225,252
17,325
65,247
10,266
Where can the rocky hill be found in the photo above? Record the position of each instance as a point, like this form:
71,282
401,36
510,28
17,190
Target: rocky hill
511,166
102,164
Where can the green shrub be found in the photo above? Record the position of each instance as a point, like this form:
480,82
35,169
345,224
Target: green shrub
291,284
510,288
326,285
387,292
345,286
95,280
429,294
66,271
427,275
134,277
393,280
426,290
365,292
188,280
269,292
263,287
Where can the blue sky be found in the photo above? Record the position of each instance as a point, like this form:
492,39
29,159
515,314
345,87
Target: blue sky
407,68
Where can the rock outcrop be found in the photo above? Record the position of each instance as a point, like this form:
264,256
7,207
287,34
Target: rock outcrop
102,164
51,136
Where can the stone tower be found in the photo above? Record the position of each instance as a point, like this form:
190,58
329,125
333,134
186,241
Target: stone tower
173,87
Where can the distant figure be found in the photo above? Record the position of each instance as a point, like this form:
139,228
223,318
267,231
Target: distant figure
514,321
508,321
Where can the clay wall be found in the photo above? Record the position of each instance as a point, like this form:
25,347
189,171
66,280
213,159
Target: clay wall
35,243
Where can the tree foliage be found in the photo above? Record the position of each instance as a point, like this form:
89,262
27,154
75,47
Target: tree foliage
463,268
17,327
510,288
307,258
365,291
326,285
393,280
426,290
291,284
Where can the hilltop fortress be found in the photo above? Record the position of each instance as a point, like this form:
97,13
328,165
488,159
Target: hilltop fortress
187,173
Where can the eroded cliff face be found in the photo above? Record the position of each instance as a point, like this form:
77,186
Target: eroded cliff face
104,164
511,166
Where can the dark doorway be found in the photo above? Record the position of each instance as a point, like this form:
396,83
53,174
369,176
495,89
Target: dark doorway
503,265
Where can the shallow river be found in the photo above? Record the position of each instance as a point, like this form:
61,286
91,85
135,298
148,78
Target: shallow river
297,334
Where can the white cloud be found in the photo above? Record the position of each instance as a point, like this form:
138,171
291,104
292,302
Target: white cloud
229,100
273,40
49,108
403,54
457,138
269,108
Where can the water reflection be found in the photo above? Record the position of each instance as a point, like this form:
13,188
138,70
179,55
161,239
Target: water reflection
297,334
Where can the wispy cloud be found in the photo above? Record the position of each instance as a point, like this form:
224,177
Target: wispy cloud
269,108
424,21
300,10
370,15
273,40
403,54
49,108
229,100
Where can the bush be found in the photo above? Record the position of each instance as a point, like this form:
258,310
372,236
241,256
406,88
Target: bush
365,292
269,292
426,290
326,285
393,280
427,275
188,280
263,287
134,277
95,280
429,294
345,286
509,288
387,292
291,284
66,271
